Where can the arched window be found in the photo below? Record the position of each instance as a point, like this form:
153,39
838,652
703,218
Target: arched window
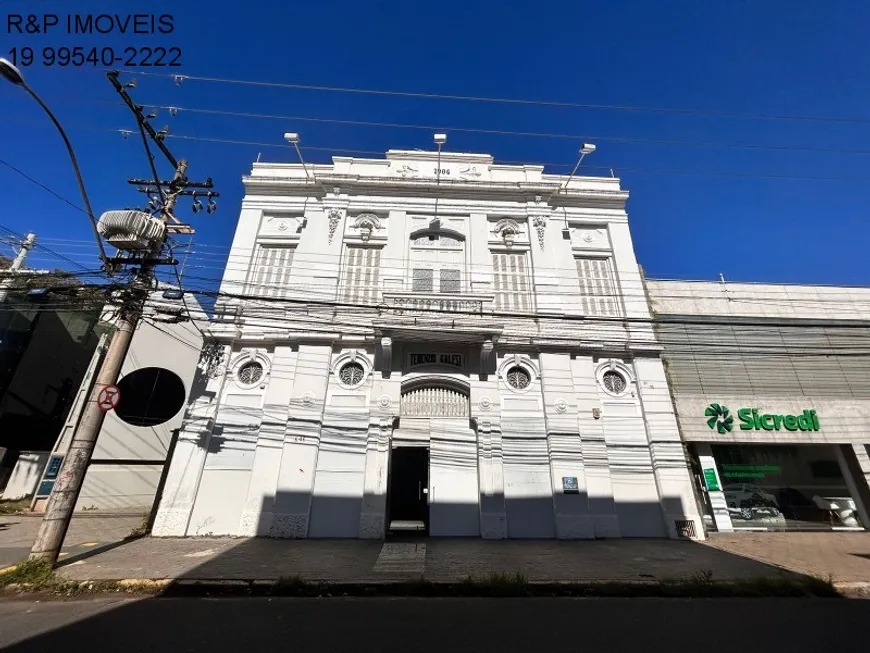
434,401
437,261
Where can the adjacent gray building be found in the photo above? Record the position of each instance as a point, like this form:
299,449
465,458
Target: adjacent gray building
771,386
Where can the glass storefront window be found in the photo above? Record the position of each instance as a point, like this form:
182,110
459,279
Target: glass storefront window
785,487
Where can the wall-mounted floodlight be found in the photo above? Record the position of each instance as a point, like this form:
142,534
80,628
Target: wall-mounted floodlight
293,139
439,139
588,148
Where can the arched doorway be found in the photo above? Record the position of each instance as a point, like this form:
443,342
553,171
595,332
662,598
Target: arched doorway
433,485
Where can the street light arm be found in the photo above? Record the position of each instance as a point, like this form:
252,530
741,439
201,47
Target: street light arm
78,172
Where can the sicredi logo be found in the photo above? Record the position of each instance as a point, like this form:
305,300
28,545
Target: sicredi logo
719,418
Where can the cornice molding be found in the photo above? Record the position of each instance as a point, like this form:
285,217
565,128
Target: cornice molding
284,186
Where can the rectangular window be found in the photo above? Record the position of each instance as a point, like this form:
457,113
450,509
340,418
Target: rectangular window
597,287
271,274
510,281
361,280
450,281
422,281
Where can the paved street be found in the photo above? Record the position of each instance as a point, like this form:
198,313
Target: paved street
429,625
87,533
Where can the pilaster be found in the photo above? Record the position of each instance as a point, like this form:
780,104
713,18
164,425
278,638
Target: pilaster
259,505
486,414
295,487
599,483
570,506
669,462
188,459
384,409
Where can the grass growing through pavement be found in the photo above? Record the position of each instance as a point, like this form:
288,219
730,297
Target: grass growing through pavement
39,577
34,574
14,507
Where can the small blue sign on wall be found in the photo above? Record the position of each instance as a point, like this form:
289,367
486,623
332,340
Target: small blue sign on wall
570,485
52,469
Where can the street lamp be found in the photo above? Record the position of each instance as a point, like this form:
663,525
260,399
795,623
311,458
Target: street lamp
11,74
588,148
293,139
439,139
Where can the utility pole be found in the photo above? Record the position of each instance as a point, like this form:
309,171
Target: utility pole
6,283
61,503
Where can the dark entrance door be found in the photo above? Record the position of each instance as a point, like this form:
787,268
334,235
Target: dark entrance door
407,493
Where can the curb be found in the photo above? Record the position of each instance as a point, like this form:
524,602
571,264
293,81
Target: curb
494,586
483,588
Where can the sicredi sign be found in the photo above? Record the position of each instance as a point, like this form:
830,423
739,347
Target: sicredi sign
719,419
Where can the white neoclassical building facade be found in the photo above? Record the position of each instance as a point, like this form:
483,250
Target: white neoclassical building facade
436,343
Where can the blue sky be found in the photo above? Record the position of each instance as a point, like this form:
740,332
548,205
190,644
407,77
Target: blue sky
766,213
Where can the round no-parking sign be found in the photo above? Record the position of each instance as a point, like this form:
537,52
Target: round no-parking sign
108,398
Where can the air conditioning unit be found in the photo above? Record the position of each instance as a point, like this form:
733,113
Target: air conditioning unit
130,230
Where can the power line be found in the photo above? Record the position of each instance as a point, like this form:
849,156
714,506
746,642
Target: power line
242,259
619,169
43,187
619,320
498,100
497,132
505,132
550,165
314,265
42,247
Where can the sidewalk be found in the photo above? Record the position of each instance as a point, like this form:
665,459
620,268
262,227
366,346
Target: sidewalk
844,556
95,550
87,532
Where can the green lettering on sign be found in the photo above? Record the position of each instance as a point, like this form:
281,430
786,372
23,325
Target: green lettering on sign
710,480
719,419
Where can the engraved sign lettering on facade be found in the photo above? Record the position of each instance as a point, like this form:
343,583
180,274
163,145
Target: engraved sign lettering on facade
452,360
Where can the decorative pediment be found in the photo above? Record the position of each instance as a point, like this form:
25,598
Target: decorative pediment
507,230
366,224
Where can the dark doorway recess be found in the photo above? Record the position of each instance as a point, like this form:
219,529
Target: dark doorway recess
408,490
150,396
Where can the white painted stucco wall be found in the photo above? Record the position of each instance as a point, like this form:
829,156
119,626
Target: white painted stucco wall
300,455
